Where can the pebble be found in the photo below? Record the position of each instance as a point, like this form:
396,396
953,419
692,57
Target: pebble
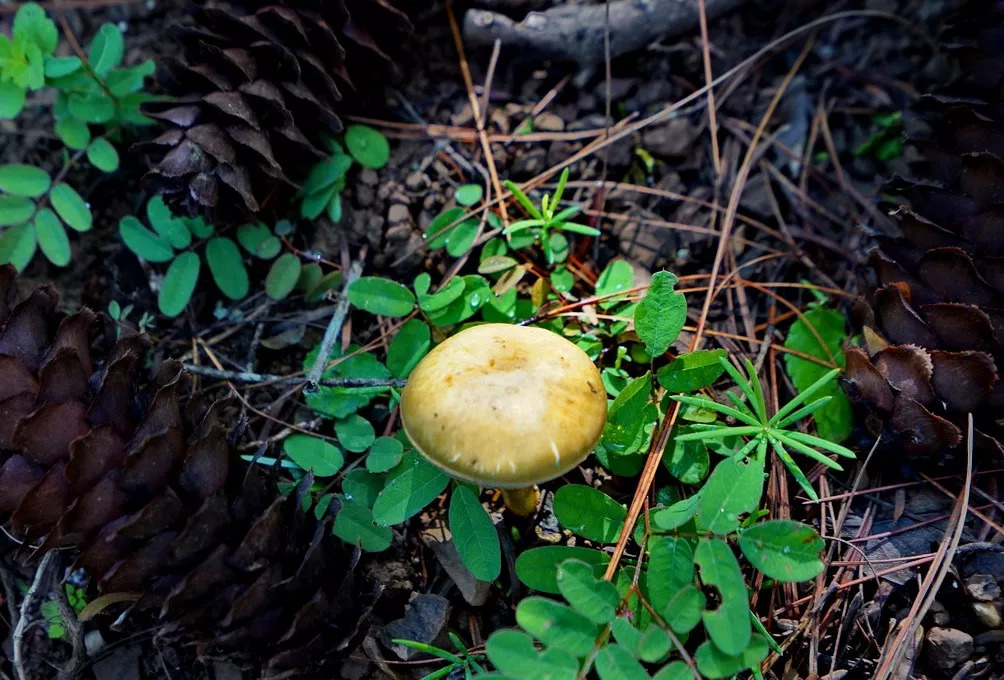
983,587
398,214
988,613
947,647
364,195
416,181
369,177
674,138
548,122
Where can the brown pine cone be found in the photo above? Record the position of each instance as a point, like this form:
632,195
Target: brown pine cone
935,324
257,93
145,483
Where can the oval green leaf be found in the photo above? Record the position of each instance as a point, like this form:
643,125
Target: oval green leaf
23,180
594,598
313,453
52,239
468,194
14,210
409,492
588,512
368,146
282,276
71,207
227,267
143,242
537,568
782,549
355,433
734,488
728,625
409,345
474,535
179,284
103,155
381,296
693,371
17,245
354,525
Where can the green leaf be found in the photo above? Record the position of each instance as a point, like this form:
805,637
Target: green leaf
106,49
282,276
179,283
354,525
31,24
411,342
474,535
728,625
172,229
614,662
91,107
24,180
314,204
442,298
537,568
618,276
670,569
556,625
313,453
338,402
103,155
15,210
476,294
384,453
588,512
512,651
60,67
354,433
594,598
325,173
782,549
494,264
52,238
674,670
258,240
468,194
368,146
687,461
677,514
693,371
363,486
627,416
122,81
734,488
227,267
661,314
381,296
683,612
17,245
713,663
198,227
435,235
460,239
835,420
409,492
143,242
12,98
71,207
74,133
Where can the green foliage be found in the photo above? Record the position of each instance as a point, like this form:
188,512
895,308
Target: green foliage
834,420
95,91
886,142
170,237
75,597
321,192
466,663
659,317
547,217
474,534
588,512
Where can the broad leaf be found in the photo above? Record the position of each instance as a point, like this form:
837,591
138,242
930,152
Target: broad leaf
227,267
782,549
71,207
143,242
616,277
354,525
14,210
683,611
103,155
614,662
314,454
734,488
409,492
660,316
106,49
172,229
384,454
678,513
381,296
693,371
355,433
52,240
474,535
179,284
512,651
407,347
282,276
258,240
687,461
728,625
670,568
23,180
537,568
468,194
627,416
588,512
594,598
17,245
368,146
556,625
74,133
713,663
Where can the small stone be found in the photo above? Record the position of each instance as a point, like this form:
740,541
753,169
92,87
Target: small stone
364,195
947,647
937,615
983,587
988,613
369,177
416,181
548,122
675,138
398,214
530,163
398,233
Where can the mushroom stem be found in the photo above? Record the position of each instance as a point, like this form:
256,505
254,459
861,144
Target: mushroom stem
521,502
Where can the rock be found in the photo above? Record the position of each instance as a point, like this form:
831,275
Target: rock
548,122
368,176
937,615
398,214
416,181
593,121
529,163
398,233
674,138
947,647
364,195
983,587
988,613
424,621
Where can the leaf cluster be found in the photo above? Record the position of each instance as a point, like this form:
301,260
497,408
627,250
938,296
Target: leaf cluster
321,192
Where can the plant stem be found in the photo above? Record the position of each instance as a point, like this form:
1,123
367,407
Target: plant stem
250,377
334,327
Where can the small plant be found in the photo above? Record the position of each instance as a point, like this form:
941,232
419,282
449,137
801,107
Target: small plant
77,599
886,142
322,190
544,221
178,241
120,314
463,661
35,209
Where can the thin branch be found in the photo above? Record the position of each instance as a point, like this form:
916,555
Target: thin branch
334,327
38,588
249,377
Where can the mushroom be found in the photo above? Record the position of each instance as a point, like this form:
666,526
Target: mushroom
506,407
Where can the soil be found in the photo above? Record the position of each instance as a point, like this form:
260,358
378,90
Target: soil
811,200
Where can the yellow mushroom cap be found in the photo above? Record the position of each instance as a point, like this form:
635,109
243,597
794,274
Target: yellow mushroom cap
505,406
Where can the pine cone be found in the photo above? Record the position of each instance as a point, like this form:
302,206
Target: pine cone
935,324
147,485
256,96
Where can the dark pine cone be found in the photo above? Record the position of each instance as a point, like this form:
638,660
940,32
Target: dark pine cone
257,93
146,484
934,326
